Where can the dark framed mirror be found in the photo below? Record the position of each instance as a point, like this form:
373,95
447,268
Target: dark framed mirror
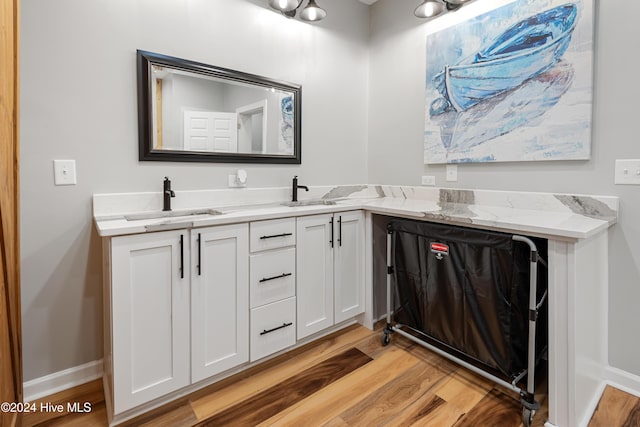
194,112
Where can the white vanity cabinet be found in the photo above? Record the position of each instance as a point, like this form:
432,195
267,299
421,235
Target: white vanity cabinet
147,344
219,299
177,310
189,307
330,268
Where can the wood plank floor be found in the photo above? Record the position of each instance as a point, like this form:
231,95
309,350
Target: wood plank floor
346,379
616,408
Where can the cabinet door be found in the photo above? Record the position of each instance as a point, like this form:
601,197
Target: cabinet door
150,317
314,270
349,264
219,299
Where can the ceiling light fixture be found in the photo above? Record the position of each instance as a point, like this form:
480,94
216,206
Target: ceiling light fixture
310,13
430,9
284,5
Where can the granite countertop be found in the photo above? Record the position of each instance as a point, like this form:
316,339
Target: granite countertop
542,214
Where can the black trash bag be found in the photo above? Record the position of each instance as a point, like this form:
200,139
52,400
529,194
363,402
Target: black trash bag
468,290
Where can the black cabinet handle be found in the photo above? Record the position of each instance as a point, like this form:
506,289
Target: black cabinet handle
331,241
276,235
199,255
182,256
284,325
275,277
340,230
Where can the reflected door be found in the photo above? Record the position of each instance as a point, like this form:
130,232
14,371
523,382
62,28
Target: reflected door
210,131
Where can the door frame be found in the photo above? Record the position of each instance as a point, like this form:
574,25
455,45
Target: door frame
249,110
10,315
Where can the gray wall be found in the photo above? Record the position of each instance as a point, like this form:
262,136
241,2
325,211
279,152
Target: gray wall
78,101
397,69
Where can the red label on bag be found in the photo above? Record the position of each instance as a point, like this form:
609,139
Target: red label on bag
440,248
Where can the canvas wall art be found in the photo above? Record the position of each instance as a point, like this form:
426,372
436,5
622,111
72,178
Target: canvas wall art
512,84
285,134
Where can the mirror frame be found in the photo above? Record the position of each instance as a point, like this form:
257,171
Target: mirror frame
145,112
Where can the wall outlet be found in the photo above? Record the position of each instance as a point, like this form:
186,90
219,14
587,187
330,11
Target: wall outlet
64,172
627,172
237,180
452,172
429,180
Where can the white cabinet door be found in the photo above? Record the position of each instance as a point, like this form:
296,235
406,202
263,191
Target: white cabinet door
150,316
349,265
219,299
314,271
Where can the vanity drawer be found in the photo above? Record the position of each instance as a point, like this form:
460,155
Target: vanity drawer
273,328
272,276
272,234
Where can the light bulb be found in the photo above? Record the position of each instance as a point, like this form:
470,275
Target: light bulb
284,5
429,9
313,12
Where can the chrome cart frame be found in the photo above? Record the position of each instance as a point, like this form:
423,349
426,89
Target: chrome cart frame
527,398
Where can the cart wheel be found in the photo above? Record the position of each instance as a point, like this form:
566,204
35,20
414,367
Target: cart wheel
385,339
527,417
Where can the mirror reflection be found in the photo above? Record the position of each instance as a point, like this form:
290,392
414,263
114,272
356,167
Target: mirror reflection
198,112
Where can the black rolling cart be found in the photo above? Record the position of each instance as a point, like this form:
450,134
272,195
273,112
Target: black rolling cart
476,297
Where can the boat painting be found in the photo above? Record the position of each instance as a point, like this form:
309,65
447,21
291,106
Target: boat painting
523,93
523,51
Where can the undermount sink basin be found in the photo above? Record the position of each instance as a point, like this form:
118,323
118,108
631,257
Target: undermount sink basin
309,203
171,214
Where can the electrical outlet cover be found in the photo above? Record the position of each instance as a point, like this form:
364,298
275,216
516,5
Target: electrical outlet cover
429,180
452,172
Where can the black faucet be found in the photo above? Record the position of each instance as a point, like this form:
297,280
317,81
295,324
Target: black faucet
167,194
294,194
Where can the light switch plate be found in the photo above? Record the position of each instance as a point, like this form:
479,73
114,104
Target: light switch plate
452,172
64,172
627,172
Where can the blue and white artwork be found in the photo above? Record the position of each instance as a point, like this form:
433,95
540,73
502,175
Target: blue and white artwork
285,134
512,84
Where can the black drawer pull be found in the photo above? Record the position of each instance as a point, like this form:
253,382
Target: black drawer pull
199,255
182,256
284,325
276,235
331,241
266,279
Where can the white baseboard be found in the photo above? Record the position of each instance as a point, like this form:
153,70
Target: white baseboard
592,405
623,380
63,380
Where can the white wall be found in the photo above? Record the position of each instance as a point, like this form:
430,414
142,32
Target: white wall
78,101
397,69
